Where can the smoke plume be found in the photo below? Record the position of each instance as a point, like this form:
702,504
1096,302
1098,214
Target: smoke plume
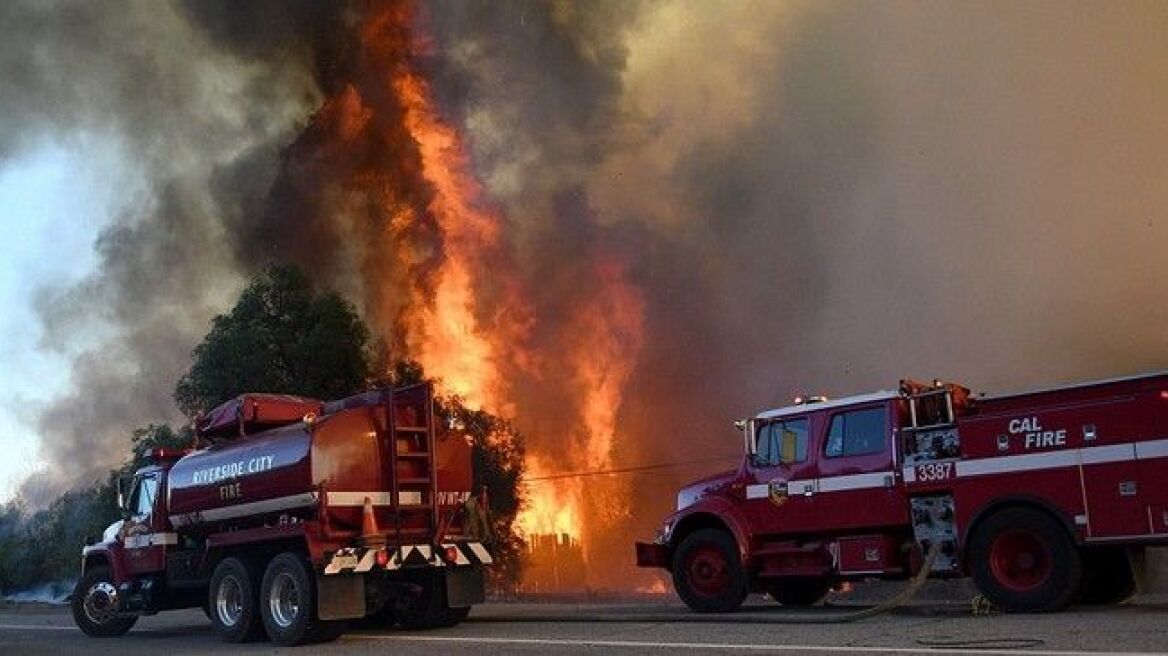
659,216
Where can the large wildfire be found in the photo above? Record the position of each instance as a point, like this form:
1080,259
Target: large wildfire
620,224
441,285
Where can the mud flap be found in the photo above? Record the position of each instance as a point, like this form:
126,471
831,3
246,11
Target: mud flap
340,597
465,586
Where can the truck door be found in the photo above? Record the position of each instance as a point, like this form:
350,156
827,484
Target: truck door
856,487
783,471
143,534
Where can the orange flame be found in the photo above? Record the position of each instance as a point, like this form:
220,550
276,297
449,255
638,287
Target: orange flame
450,343
449,329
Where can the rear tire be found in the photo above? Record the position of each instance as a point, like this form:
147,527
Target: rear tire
232,600
707,572
1022,559
288,603
798,590
1108,577
95,605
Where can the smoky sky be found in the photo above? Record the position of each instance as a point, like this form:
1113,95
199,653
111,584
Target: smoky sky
828,197
184,110
808,197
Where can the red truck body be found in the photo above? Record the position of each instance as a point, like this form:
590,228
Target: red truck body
1043,497
361,502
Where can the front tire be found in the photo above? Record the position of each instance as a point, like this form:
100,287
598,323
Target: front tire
1022,559
707,572
288,604
95,605
232,602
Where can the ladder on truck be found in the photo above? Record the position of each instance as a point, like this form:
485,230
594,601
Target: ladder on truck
413,465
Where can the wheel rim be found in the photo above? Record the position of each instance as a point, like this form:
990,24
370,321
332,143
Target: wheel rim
101,602
229,600
707,571
284,600
1020,560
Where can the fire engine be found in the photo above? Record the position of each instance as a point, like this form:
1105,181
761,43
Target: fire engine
294,516
1043,497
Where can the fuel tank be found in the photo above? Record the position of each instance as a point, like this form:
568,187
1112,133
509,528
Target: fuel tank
361,450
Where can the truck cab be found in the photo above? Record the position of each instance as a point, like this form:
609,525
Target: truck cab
123,574
816,499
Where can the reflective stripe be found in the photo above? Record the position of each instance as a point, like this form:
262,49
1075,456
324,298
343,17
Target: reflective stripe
1092,455
757,491
150,540
358,560
849,482
800,487
481,553
1112,453
1027,462
349,499
244,509
1152,449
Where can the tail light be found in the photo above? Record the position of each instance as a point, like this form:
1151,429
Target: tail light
381,558
452,554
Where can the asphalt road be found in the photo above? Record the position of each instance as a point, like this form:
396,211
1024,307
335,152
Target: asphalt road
619,629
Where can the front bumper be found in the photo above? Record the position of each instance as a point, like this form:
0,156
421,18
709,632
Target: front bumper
358,560
652,554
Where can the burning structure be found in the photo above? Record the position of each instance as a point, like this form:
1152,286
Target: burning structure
619,223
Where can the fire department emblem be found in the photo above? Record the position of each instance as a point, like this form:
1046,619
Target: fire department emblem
777,492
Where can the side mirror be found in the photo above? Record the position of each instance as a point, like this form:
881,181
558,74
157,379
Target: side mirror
123,497
747,426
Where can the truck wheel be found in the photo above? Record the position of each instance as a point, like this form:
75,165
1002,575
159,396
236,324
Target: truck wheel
232,602
707,573
428,609
288,604
1107,577
1023,560
95,605
798,590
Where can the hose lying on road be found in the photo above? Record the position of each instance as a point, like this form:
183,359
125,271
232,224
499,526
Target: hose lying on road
802,618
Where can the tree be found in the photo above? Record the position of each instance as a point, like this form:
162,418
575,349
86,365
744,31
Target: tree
282,336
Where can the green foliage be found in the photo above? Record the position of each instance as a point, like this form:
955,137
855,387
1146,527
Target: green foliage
498,459
282,336
46,546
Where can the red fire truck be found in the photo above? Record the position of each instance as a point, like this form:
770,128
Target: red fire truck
294,516
1042,497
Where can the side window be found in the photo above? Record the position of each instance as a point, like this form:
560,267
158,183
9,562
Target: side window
793,441
782,442
856,433
764,453
144,497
